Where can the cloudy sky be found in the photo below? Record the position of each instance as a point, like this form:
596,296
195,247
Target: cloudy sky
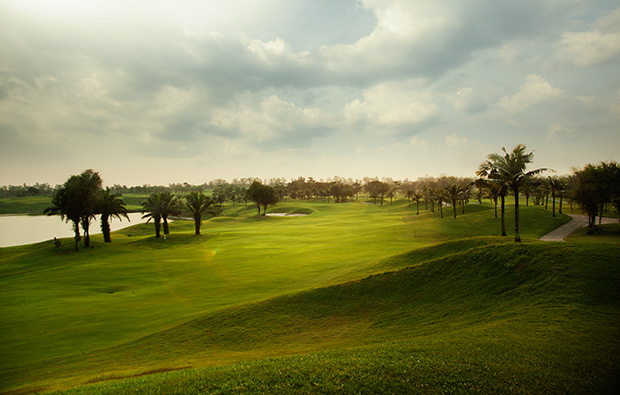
160,92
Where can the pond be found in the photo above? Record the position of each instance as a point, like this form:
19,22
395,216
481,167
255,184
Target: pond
27,229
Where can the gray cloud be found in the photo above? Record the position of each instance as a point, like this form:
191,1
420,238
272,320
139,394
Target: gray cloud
291,77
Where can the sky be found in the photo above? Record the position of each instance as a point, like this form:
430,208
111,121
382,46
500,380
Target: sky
158,92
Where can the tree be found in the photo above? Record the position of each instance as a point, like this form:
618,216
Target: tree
197,203
90,189
110,206
456,193
510,170
152,210
66,203
170,205
556,185
77,201
377,189
262,195
596,186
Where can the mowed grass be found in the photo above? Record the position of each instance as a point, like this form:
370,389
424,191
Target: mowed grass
128,298
25,205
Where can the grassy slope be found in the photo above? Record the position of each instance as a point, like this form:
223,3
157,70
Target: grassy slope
58,304
522,318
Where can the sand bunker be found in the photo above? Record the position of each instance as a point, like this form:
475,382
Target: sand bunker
285,215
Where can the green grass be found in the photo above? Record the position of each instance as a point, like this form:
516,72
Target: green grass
25,205
293,295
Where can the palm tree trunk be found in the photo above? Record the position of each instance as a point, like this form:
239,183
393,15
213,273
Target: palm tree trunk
166,227
560,208
454,207
197,222
553,203
105,228
417,207
76,229
503,210
157,227
86,228
517,235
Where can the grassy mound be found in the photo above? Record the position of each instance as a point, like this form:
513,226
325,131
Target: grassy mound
501,318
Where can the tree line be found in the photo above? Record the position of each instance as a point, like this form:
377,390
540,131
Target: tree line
594,188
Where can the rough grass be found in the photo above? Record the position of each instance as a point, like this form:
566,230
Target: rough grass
253,287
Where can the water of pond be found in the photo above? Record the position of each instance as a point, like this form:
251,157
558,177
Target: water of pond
27,229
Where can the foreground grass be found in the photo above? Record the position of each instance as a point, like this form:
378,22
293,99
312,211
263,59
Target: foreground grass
128,298
528,319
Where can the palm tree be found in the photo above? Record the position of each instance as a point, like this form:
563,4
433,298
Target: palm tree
453,193
153,209
417,195
197,203
110,206
66,204
170,205
509,170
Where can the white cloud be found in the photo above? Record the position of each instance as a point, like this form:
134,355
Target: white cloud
419,143
593,47
390,109
454,140
468,101
272,120
533,91
558,131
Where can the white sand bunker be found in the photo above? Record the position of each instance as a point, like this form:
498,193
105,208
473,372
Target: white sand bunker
285,215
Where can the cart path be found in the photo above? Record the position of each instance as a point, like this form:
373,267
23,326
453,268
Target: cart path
578,221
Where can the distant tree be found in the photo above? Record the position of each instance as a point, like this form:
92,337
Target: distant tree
510,170
456,193
440,196
555,186
110,206
262,195
197,203
377,189
152,209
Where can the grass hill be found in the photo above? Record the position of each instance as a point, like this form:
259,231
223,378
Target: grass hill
353,298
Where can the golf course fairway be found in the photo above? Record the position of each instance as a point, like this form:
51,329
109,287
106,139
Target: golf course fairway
352,298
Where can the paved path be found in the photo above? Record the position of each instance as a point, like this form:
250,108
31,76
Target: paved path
578,221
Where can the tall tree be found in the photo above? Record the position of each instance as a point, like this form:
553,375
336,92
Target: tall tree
262,195
152,209
456,193
170,205
110,206
76,201
377,189
595,186
197,203
66,203
90,191
555,186
510,170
